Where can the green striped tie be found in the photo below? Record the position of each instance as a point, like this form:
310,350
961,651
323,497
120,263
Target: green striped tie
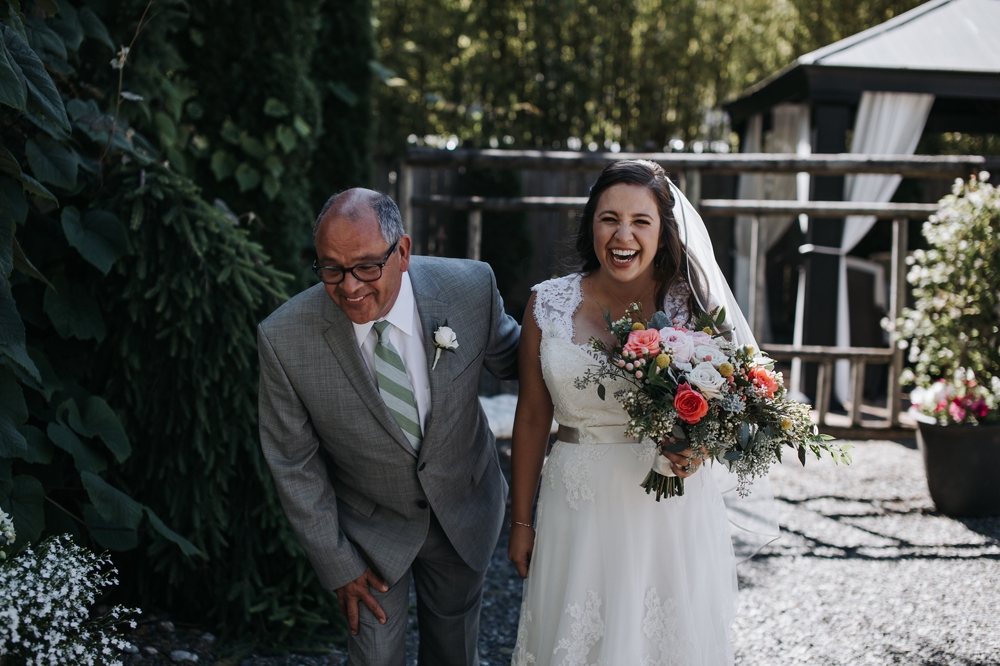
394,386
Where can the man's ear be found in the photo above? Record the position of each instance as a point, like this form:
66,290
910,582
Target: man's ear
405,244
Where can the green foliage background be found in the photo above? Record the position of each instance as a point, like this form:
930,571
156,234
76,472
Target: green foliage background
627,71
137,236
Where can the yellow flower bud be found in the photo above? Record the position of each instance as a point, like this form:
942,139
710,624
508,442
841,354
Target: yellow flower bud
638,326
662,361
726,369
750,350
786,423
707,330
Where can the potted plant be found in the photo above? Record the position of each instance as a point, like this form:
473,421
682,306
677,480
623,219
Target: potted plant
954,344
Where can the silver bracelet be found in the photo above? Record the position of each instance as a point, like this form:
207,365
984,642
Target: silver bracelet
515,522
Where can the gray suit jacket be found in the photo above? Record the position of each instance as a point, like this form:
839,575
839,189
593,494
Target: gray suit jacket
353,488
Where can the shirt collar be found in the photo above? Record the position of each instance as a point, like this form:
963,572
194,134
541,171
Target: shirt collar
400,316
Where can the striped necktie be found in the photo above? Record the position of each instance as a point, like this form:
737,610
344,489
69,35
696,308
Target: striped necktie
394,386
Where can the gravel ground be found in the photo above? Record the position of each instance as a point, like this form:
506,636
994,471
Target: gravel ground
866,572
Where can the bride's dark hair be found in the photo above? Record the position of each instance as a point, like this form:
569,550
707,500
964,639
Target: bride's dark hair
670,264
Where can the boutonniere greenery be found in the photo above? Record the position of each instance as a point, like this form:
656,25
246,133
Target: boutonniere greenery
445,340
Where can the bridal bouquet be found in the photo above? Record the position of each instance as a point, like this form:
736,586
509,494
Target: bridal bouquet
693,388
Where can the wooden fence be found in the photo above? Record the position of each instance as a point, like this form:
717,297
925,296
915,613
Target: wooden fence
690,167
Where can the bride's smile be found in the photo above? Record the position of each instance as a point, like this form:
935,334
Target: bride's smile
627,232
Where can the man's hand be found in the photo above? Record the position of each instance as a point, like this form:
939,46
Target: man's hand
357,591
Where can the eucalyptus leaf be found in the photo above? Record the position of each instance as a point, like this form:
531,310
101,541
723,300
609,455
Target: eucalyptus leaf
98,235
659,320
23,498
113,505
52,162
107,533
601,391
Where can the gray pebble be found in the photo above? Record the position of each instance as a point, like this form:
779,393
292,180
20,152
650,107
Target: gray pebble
183,655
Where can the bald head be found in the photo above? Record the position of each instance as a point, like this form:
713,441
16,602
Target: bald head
357,205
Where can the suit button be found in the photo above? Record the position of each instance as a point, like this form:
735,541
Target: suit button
421,504
421,468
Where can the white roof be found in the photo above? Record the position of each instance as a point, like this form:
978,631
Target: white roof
952,35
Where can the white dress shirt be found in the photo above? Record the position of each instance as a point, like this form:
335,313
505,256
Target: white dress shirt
407,337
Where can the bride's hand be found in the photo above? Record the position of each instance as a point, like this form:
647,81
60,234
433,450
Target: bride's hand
520,545
686,462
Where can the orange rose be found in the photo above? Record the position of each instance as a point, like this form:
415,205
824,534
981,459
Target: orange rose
763,378
648,339
691,406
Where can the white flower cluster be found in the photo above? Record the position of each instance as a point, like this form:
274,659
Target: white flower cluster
6,529
44,601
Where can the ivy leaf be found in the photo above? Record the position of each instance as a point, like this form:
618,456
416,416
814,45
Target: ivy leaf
186,546
107,533
230,132
99,419
39,449
113,505
73,311
13,412
32,186
85,459
24,499
13,89
94,27
252,147
247,177
274,165
275,108
42,92
287,137
99,236
271,186
52,162
223,164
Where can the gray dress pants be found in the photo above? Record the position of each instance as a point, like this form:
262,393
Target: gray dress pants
449,597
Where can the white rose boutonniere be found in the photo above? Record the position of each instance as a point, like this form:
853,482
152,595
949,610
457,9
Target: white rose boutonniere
445,340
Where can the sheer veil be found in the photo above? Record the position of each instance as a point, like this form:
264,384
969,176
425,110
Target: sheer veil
754,519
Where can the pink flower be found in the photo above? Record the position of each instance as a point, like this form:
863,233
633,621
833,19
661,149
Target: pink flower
761,377
644,342
979,408
956,411
677,343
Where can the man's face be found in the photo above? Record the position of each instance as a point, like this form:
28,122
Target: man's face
344,243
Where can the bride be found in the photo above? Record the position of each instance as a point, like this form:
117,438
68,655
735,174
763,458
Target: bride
614,577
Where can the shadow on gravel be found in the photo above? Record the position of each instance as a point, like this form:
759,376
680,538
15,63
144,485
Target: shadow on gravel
988,526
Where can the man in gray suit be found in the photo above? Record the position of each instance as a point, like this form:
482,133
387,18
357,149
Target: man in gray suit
371,424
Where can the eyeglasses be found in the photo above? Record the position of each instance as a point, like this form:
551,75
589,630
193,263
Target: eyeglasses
363,272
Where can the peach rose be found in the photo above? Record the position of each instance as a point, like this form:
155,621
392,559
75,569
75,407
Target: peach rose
691,406
763,378
648,339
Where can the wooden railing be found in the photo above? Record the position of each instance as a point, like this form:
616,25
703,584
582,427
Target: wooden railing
689,168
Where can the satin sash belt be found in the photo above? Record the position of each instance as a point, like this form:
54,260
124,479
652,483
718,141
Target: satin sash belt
612,434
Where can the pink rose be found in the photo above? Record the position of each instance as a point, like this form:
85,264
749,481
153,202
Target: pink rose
979,408
763,378
956,411
677,343
648,339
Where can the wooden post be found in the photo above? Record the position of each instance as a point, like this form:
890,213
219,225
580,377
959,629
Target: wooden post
897,299
857,389
405,185
475,236
692,187
823,381
755,300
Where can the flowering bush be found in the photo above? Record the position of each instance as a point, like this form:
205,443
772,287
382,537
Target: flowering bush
44,597
7,535
952,331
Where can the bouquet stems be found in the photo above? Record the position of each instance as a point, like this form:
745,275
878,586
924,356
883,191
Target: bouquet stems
664,486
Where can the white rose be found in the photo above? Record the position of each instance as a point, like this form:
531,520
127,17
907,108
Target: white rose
705,352
445,338
707,379
677,343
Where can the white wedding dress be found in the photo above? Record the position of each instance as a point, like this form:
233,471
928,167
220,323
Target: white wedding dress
617,578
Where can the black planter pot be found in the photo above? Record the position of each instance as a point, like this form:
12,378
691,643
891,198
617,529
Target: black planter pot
963,468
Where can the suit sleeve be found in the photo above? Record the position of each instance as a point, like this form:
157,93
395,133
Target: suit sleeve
501,349
291,448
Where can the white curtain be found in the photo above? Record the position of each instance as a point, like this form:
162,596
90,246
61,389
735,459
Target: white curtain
785,136
887,124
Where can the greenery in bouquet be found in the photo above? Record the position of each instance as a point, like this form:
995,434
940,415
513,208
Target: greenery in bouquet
45,596
693,388
953,330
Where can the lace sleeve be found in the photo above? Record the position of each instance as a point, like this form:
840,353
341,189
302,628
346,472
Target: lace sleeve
556,301
675,304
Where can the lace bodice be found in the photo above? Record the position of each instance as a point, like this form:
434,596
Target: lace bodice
563,361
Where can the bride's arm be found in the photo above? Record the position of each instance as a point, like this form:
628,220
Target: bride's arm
532,425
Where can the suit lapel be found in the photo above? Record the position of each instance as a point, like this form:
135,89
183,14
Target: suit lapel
340,337
433,312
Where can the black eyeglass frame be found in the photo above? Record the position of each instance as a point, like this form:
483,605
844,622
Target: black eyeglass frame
317,269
